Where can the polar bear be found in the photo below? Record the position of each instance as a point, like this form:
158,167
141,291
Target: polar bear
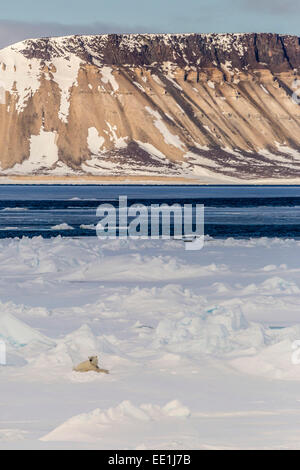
90,366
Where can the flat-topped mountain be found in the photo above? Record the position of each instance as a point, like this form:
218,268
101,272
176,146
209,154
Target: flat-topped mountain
202,107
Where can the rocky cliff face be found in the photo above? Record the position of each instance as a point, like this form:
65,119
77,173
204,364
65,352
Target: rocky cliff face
208,107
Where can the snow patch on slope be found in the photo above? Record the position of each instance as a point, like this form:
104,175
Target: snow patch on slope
94,140
18,75
43,153
107,77
169,138
153,151
119,142
66,77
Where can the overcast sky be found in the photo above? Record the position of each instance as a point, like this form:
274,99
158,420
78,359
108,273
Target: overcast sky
21,19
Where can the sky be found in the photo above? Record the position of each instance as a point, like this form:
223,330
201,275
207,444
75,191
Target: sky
22,19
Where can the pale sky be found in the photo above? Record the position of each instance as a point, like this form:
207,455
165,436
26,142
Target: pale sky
22,19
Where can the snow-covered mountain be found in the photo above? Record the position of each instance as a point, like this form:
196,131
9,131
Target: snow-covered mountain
203,107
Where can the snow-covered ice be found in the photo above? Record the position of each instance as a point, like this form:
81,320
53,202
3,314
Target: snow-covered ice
198,344
63,226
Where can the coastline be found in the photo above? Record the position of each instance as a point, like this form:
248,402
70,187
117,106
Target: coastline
142,180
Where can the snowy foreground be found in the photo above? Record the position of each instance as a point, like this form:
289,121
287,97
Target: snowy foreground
192,341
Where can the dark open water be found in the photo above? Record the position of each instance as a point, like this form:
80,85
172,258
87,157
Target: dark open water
230,211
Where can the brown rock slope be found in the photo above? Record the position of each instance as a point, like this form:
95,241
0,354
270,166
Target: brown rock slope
204,107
